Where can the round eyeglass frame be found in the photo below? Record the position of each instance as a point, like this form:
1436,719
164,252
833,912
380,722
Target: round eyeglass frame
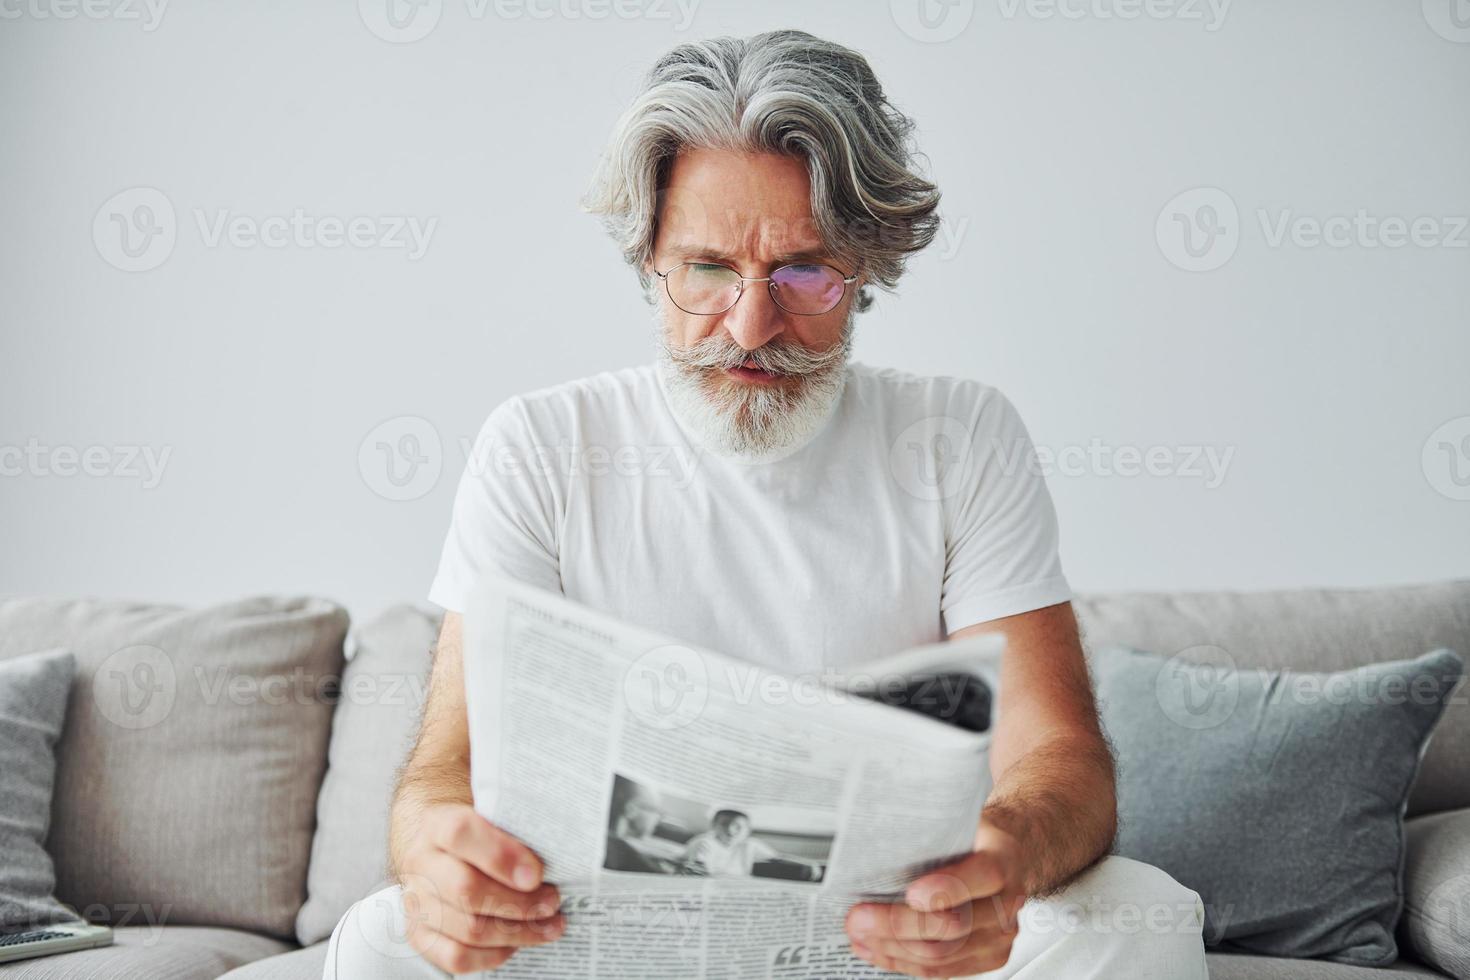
740,287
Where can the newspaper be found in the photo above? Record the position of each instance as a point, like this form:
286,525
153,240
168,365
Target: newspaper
702,816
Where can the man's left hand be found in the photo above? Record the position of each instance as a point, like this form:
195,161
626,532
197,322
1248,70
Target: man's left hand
954,921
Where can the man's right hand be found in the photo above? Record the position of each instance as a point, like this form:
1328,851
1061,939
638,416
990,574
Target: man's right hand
473,894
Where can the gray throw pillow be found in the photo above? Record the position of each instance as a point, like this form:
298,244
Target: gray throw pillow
33,695
1278,796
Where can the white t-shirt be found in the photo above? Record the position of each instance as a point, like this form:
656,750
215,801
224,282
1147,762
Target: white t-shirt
914,511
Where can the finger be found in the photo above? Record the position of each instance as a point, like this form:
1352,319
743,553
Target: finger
942,952
877,920
470,837
974,957
444,879
456,957
979,875
486,931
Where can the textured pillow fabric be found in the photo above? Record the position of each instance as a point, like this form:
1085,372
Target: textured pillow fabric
373,729
194,745
33,694
1436,920
1278,796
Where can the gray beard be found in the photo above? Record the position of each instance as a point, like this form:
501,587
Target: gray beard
753,422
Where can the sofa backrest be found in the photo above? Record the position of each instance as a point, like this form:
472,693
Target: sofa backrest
1314,630
193,748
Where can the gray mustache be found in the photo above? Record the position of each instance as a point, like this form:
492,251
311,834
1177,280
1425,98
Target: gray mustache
777,357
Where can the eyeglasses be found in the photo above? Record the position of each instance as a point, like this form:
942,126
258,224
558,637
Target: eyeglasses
705,288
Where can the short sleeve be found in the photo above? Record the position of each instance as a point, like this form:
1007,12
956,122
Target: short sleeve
504,517
1002,543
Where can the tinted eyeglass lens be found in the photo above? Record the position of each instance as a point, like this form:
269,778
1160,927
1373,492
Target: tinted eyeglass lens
705,289
807,289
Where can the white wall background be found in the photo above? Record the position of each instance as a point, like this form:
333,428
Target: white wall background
1058,135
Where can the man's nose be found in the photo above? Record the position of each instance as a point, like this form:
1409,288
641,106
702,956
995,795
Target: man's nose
755,319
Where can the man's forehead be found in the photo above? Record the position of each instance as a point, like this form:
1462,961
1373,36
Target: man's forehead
774,237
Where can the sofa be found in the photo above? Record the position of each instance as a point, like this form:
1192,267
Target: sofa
224,773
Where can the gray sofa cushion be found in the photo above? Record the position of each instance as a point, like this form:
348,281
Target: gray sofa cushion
373,729
33,693
1436,922
142,952
1277,796
195,741
1311,629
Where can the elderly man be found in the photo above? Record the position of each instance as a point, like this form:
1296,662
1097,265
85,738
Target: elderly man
761,188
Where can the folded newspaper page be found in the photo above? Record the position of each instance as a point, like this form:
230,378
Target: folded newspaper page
703,816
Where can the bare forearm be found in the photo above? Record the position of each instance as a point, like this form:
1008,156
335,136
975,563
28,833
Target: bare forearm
420,788
1059,802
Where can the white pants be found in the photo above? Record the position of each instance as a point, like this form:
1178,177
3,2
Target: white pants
1120,919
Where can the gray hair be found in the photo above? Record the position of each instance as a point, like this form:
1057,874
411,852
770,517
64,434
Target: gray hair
784,92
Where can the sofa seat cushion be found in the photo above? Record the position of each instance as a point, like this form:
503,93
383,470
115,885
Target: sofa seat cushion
146,952
300,964
1229,966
